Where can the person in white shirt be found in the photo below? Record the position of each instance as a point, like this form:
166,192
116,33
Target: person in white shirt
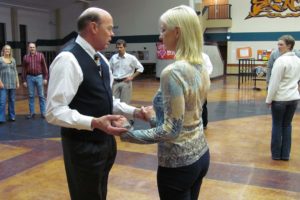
80,101
283,97
125,67
209,67
274,55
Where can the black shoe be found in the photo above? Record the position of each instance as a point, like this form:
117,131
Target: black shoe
12,120
276,158
30,116
43,116
285,159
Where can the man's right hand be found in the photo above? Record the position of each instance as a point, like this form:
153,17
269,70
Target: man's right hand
25,84
104,123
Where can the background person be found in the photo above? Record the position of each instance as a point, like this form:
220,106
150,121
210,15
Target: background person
274,55
80,101
183,155
125,67
9,82
35,75
209,67
283,97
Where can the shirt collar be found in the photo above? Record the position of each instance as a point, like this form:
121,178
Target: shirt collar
290,53
86,46
124,56
33,54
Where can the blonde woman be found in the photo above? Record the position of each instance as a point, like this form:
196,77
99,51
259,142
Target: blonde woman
9,81
183,155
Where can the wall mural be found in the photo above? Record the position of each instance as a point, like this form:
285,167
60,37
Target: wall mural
274,8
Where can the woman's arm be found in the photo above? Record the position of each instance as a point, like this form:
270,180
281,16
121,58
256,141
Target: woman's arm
16,73
173,107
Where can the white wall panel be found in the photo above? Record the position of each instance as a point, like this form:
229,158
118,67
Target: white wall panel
5,18
40,25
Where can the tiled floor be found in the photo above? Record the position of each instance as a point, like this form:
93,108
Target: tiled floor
31,166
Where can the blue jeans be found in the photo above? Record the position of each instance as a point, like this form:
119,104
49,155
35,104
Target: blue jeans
32,82
11,95
282,116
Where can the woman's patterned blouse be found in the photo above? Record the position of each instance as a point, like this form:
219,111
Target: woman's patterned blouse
178,106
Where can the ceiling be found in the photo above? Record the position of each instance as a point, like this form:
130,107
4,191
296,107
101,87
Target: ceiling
42,4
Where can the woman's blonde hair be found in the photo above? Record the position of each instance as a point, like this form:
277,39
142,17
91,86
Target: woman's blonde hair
189,44
2,51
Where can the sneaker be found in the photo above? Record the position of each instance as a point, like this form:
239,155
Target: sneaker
30,116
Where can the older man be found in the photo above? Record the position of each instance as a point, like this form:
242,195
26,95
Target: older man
80,101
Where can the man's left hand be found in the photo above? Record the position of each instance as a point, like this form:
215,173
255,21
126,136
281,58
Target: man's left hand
128,79
105,123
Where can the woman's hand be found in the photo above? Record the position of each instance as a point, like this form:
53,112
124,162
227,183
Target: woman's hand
148,112
121,122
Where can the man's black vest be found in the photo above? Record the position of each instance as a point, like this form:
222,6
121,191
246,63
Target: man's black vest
94,95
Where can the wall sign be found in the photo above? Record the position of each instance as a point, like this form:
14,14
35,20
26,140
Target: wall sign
163,53
274,8
244,52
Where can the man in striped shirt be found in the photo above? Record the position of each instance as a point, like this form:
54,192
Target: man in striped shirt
35,75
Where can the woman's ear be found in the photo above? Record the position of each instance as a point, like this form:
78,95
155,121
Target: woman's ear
177,32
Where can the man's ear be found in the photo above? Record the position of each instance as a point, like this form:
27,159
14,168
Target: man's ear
93,27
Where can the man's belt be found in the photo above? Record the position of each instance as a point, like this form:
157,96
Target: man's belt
34,74
119,80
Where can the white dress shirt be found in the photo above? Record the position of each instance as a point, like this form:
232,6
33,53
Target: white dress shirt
207,63
283,85
123,67
65,78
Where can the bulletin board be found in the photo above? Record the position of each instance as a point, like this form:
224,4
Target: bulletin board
244,52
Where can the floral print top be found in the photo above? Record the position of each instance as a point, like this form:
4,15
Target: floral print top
178,127
8,74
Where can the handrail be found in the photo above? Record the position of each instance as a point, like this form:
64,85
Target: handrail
219,11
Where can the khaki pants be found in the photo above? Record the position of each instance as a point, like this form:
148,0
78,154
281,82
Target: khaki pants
123,91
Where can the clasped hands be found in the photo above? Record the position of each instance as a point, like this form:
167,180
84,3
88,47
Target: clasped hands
118,124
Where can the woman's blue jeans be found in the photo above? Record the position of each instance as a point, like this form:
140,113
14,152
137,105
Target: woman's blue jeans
282,116
10,94
32,83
